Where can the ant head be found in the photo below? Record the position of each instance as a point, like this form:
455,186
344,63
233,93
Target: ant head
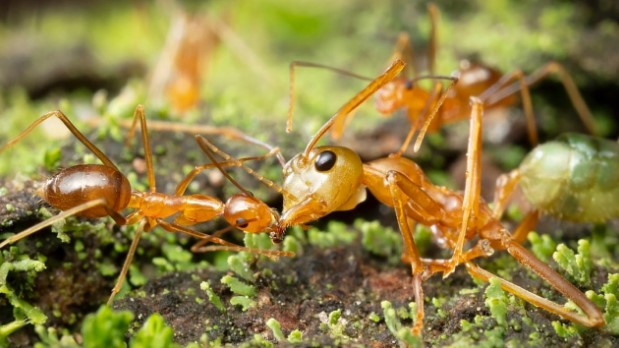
326,180
249,214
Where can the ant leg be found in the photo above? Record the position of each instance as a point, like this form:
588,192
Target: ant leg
228,132
268,253
482,248
138,114
426,117
571,89
396,183
62,215
127,263
593,316
224,245
470,202
495,94
526,225
62,117
217,234
505,186
172,227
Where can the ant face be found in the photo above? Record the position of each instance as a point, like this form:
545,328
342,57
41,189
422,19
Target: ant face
327,180
249,214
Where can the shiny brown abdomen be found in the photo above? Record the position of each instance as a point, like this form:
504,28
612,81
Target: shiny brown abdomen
84,183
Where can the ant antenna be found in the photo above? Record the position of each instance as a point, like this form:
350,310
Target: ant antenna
394,69
204,142
311,65
201,142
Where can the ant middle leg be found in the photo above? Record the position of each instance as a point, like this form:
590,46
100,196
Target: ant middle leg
411,253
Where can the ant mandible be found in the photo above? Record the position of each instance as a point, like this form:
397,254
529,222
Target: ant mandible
99,190
324,179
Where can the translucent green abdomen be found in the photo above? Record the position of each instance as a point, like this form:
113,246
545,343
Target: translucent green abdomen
575,177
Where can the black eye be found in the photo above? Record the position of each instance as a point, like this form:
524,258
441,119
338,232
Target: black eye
241,223
408,84
325,161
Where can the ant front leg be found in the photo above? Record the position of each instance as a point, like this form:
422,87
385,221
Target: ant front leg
470,203
401,189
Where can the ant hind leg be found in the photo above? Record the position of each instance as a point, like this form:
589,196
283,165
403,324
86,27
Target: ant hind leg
64,119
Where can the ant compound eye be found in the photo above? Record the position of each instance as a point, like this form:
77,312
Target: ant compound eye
408,84
325,161
241,223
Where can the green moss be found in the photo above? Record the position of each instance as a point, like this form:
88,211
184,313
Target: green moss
335,325
542,246
23,312
295,336
578,266
238,287
379,240
276,329
239,264
374,317
106,328
293,244
212,296
607,299
336,234
49,338
497,302
51,159
566,331
245,302
401,333
154,333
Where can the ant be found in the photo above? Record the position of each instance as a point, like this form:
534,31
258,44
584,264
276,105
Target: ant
99,190
324,179
472,79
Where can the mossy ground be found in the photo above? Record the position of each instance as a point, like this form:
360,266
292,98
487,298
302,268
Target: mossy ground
306,292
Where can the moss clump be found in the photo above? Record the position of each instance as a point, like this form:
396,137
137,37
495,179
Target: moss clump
577,266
